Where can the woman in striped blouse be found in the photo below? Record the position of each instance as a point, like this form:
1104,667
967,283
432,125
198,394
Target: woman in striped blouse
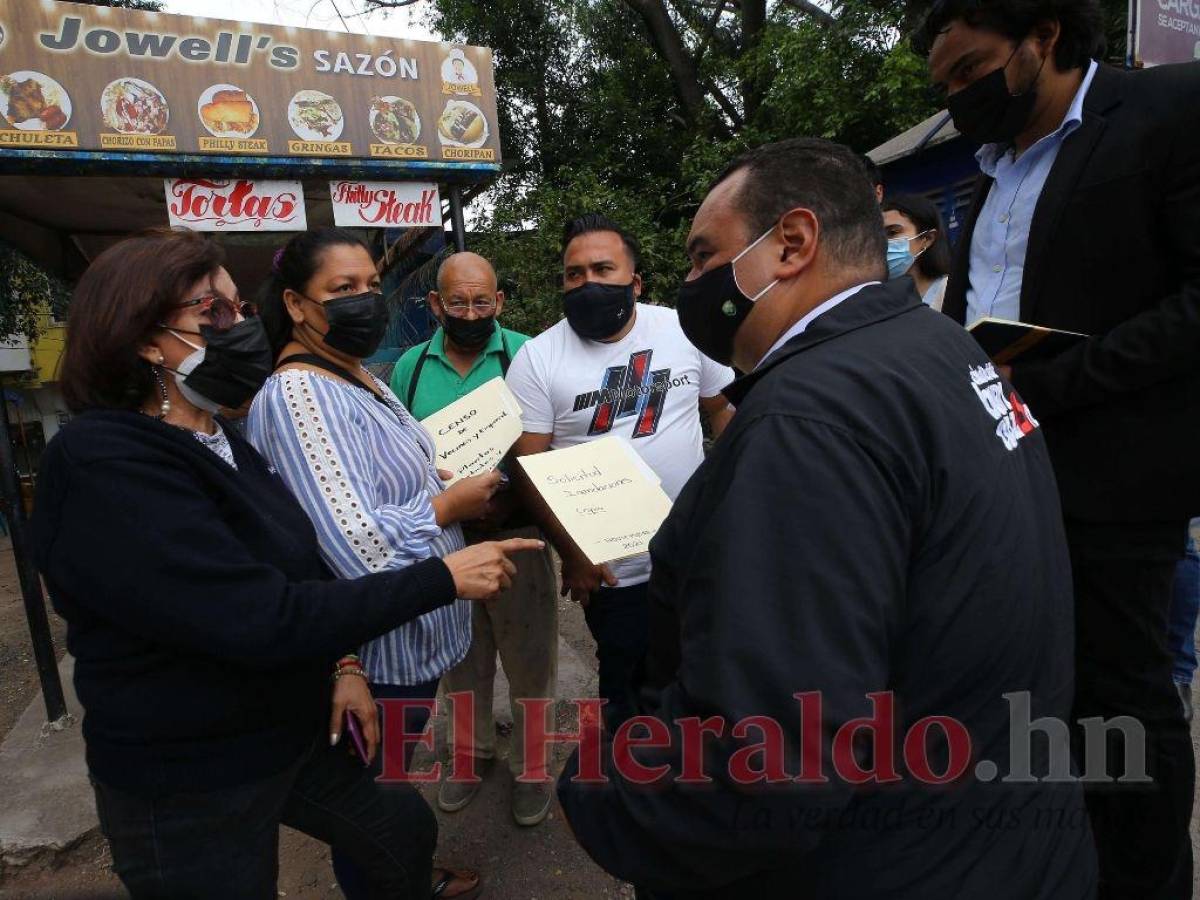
360,465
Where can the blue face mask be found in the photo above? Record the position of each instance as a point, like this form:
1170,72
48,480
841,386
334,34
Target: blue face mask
900,257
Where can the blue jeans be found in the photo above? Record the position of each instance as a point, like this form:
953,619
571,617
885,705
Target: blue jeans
1185,605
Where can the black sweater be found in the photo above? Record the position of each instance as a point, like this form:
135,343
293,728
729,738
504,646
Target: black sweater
201,618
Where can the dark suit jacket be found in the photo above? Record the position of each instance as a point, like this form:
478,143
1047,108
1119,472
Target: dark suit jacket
1114,252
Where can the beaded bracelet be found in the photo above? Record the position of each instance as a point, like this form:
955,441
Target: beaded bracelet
347,670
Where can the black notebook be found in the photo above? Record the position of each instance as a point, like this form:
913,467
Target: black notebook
1004,340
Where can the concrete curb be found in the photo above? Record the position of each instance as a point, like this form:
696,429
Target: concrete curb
48,805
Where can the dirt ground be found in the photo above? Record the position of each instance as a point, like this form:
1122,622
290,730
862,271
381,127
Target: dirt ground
543,863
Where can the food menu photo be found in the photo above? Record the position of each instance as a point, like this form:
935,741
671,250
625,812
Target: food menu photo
315,116
228,111
133,106
33,101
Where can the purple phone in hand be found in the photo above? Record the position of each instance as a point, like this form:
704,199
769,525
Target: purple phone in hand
356,736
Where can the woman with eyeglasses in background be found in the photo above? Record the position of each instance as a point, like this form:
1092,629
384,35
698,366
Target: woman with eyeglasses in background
205,629
363,468
917,245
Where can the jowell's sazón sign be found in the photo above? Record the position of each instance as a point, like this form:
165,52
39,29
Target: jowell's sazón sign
96,78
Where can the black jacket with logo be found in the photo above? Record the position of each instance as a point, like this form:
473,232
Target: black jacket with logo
880,516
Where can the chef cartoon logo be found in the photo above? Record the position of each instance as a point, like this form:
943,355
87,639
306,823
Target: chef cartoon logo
1013,418
459,75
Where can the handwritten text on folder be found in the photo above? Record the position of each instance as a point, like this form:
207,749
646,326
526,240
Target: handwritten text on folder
607,499
472,434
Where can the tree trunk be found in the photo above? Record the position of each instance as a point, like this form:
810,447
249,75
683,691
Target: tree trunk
754,18
545,129
813,10
670,46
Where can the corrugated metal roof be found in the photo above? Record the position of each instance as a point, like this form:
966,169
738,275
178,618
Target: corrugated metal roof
937,129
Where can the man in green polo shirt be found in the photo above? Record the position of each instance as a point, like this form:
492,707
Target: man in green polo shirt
468,349
469,346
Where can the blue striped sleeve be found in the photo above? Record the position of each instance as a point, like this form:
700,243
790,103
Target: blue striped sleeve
343,464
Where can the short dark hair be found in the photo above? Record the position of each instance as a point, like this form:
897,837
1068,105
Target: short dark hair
1081,38
119,303
925,216
819,175
591,222
293,267
874,174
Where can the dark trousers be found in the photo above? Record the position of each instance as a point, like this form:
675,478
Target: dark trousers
225,843
618,619
1123,577
352,878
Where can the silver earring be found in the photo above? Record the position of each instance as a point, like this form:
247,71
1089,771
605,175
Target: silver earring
162,390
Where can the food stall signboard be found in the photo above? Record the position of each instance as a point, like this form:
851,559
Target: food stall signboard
235,204
380,204
97,78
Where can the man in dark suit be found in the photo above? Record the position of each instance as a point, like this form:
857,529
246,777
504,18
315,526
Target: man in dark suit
1087,218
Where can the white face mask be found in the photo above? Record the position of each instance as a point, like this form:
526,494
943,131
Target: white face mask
733,268
189,364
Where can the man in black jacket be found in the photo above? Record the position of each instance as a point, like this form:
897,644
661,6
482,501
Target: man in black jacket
1087,218
875,536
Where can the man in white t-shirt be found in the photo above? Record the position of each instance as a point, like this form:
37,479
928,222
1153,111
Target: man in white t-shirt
614,366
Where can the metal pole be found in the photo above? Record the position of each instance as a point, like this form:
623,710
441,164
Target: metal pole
1131,35
456,218
31,585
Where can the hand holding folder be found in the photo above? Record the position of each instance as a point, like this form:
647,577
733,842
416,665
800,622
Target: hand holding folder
1005,341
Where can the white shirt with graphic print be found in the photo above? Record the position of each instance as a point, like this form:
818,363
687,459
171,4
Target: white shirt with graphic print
645,388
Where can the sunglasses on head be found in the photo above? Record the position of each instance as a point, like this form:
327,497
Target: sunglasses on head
221,311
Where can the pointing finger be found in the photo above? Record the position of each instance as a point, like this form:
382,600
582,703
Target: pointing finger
516,545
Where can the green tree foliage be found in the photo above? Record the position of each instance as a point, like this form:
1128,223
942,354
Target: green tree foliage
27,294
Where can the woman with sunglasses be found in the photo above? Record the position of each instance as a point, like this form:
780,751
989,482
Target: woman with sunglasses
363,468
204,627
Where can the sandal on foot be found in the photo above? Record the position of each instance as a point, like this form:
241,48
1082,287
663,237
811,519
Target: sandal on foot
445,879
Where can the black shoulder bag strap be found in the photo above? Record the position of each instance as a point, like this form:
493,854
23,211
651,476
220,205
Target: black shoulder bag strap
411,394
311,359
416,376
505,356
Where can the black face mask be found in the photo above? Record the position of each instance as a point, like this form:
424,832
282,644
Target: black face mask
356,324
986,113
470,334
712,308
233,365
597,311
